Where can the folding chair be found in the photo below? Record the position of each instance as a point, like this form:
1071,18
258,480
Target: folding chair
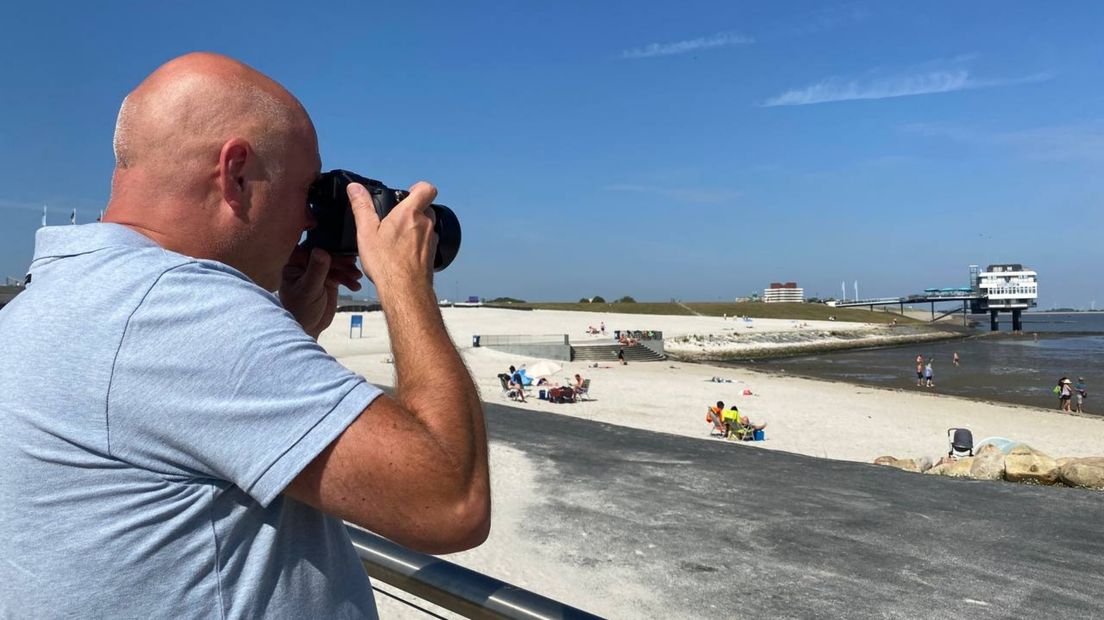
583,390
507,391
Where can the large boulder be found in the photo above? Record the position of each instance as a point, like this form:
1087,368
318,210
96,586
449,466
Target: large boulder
959,468
1082,472
1026,464
988,448
905,464
988,465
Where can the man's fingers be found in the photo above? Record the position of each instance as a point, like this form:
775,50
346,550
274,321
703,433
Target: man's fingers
364,211
422,194
318,268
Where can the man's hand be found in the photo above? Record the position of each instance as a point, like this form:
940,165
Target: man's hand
400,249
410,468
309,288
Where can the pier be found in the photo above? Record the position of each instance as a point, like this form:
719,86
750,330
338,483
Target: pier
1000,288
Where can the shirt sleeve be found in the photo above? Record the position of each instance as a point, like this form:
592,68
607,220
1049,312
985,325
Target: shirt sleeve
214,379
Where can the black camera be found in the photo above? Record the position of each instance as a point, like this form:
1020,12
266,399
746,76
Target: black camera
335,228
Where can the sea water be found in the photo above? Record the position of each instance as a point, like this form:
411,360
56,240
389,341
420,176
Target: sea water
1021,369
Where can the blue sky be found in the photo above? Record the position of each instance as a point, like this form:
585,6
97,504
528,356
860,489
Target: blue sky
691,150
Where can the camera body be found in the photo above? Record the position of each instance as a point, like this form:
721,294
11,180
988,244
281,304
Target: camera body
335,227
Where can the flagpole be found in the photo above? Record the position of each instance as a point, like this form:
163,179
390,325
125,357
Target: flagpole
44,216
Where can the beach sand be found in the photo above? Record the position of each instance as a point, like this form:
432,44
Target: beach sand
818,418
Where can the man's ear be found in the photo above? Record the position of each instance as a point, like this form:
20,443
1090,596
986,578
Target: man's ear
233,160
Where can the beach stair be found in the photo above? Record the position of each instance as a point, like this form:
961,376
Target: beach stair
608,353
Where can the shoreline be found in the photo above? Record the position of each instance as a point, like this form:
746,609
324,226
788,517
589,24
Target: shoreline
735,350
781,373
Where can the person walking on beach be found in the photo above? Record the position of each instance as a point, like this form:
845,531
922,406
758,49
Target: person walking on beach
193,452
1081,391
621,355
929,374
954,359
919,370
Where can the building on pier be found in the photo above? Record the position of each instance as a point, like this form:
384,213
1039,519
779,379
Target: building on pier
1004,288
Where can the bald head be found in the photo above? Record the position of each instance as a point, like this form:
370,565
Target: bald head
212,160
191,105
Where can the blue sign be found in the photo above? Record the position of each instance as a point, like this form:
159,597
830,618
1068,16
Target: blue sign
357,323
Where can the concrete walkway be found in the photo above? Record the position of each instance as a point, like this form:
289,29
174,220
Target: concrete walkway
728,531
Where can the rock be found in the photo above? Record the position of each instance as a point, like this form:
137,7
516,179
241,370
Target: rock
953,468
1026,464
1082,472
904,464
987,448
988,465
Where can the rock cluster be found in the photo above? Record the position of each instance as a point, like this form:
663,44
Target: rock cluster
1022,464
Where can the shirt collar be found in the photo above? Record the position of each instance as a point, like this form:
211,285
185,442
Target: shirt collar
58,241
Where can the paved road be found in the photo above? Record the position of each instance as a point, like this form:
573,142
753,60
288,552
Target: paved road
735,531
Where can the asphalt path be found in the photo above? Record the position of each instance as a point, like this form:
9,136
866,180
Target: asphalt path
725,530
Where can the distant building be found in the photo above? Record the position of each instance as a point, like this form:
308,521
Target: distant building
783,293
1005,287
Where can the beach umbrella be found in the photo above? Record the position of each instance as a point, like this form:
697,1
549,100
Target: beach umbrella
543,368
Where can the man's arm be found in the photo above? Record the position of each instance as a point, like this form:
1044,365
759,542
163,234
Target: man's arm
412,468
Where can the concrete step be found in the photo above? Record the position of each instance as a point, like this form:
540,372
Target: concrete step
608,353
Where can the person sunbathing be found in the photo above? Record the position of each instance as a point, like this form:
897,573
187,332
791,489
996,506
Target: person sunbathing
713,416
740,425
517,382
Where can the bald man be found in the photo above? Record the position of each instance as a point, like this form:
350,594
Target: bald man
176,443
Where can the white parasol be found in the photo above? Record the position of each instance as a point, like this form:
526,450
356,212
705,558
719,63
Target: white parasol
543,368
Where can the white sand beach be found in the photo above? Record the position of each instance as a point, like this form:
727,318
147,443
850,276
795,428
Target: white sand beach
818,418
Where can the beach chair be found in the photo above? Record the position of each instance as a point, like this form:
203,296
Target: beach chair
739,431
961,441
583,391
730,418
507,391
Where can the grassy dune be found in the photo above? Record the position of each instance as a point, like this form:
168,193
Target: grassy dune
800,312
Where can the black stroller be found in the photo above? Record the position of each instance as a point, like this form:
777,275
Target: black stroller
962,442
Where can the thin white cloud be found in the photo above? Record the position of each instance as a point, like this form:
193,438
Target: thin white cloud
932,82
825,19
1082,142
721,39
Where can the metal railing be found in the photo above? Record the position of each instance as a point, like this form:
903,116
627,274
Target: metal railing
453,587
508,339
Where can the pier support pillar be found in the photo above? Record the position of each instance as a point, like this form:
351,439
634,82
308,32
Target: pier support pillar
965,315
1017,321
994,322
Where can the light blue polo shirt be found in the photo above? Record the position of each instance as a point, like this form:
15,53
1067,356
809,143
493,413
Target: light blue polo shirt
153,407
